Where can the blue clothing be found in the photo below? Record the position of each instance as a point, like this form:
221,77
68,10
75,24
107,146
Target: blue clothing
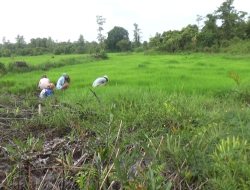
46,92
99,81
60,83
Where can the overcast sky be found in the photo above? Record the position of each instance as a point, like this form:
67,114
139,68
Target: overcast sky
65,20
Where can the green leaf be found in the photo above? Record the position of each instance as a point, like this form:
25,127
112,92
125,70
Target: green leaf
168,185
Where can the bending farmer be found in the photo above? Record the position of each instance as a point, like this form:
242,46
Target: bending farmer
62,82
47,92
43,82
100,81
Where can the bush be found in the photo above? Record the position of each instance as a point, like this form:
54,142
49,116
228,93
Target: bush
6,53
103,54
215,49
139,49
207,50
57,51
224,43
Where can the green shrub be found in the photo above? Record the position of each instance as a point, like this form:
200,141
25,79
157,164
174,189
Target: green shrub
6,53
103,54
207,50
215,49
139,49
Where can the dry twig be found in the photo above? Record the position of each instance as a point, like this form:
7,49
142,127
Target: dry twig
87,184
41,184
109,170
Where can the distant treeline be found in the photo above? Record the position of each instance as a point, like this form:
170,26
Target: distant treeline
232,36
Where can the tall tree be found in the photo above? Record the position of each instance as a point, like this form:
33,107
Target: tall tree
100,21
80,45
137,35
228,15
199,19
50,44
114,36
20,42
4,40
81,40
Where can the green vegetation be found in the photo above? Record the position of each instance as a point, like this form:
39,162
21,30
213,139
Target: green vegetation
184,116
174,115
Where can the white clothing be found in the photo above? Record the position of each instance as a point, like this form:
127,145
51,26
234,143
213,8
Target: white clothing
43,83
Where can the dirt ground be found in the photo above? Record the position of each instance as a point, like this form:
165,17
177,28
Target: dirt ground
46,167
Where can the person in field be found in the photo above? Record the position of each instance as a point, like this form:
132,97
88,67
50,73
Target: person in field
47,92
43,82
100,81
63,82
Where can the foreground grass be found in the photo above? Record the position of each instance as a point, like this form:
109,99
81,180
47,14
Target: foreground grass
189,101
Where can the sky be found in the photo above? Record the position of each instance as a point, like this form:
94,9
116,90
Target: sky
64,20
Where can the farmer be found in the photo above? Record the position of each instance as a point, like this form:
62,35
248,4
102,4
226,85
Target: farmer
100,81
63,81
47,92
43,82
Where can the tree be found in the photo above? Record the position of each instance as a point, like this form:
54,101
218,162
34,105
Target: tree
199,19
123,44
137,35
80,45
3,40
228,16
171,41
248,29
114,36
187,35
20,42
100,21
145,45
81,41
50,44
156,42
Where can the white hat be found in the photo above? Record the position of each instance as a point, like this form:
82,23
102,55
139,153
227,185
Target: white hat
105,76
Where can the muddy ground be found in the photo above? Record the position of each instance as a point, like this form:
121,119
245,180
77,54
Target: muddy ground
43,167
